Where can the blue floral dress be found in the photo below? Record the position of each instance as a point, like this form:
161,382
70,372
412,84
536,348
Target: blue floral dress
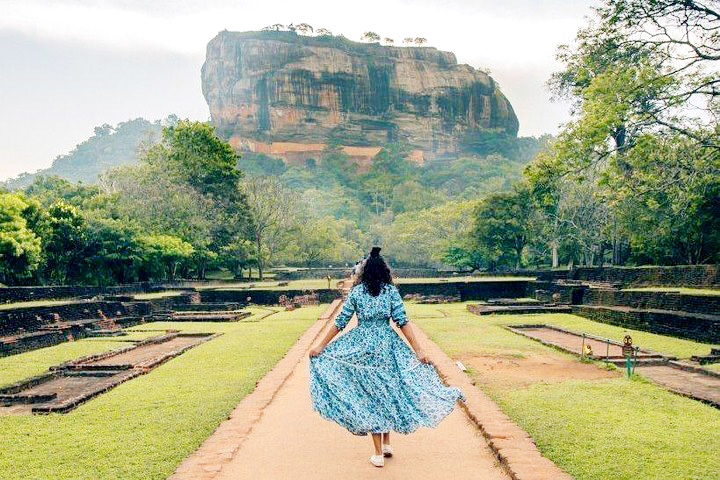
369,380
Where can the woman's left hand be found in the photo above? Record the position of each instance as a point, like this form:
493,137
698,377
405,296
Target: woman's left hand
314,352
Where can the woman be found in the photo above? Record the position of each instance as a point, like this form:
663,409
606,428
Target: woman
369,380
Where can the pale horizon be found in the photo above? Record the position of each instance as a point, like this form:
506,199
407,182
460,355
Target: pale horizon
72,65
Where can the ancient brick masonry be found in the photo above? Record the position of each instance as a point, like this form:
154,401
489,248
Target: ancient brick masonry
24,294
597,293
671,276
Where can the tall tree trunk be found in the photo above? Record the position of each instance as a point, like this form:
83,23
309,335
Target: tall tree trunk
258,246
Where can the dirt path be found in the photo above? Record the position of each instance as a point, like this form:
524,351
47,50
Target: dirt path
291,441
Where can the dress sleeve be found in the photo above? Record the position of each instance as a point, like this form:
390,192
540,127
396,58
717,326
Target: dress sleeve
346,313
397,308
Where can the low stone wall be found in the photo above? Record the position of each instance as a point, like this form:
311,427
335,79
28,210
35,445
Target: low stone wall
462,290
264,297
26,294
707,304
544,291
38,340
672,276
337,273
468,290
699,327
31,318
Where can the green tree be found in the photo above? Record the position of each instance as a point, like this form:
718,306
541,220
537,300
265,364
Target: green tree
64,246
156,204
52,189
504,225
271,209
425,237
113,254
164,253
238,255
669,206
192,153
20,248
195,169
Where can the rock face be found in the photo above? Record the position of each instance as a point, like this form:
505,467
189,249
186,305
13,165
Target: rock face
289,95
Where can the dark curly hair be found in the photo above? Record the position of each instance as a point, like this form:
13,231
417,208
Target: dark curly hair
375,273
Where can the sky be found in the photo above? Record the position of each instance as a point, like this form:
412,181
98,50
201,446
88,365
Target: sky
71,65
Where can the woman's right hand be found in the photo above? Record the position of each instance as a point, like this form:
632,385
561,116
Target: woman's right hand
314,352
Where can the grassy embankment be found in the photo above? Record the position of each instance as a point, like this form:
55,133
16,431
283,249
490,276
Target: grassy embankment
143,428
594,429
680,290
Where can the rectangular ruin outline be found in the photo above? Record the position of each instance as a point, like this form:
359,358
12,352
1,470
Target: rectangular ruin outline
80,367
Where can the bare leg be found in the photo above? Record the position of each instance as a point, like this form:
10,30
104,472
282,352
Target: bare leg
377,442
386,438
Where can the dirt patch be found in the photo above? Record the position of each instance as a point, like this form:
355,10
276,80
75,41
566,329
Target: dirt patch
695,385
148,352
527,369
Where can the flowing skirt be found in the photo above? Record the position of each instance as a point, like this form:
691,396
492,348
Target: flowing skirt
370,381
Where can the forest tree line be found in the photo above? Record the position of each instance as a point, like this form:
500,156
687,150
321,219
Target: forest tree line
191,205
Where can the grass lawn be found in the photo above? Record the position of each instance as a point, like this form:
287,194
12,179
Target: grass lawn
143,428
310,284
35,303
462,279
594,429
152,296
712,366
680,290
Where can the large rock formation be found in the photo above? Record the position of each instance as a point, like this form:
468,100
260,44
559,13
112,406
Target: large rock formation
288,95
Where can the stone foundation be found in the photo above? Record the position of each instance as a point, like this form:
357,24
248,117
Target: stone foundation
671,276
694,326
27,294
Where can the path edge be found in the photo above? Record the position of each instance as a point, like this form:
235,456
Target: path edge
512,446
218,449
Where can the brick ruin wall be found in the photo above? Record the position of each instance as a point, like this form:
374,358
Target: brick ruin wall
32,318
339,273
26,294
699,328
695,317
463,290
671,276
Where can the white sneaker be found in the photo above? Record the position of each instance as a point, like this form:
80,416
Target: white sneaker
387,451
377,460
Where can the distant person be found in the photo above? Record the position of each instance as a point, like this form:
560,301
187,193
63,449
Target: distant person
355,273
369,380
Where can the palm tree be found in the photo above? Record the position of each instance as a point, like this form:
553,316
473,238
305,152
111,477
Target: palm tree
389,40
408,40
420,40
